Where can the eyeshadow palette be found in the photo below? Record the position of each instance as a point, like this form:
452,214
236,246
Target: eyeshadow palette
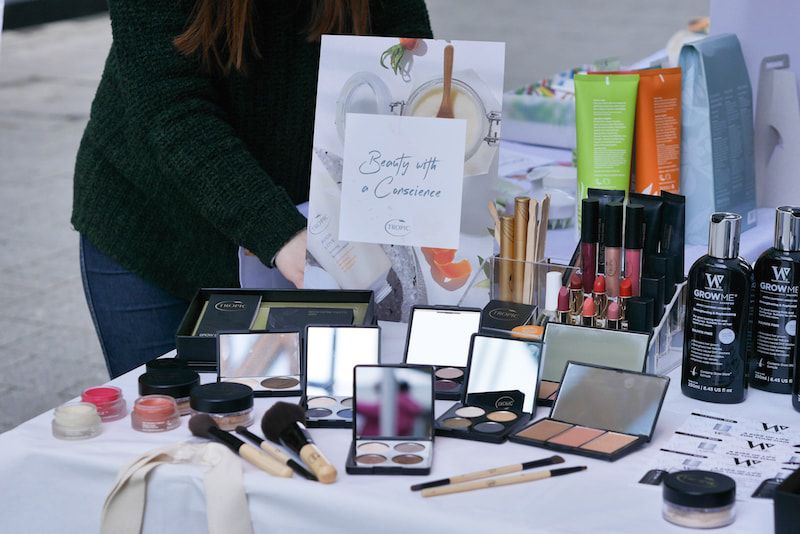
598,346
600,412
393,428
331,353
440,336
500,396
282,319
267,362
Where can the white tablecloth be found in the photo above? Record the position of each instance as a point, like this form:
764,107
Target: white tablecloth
57,486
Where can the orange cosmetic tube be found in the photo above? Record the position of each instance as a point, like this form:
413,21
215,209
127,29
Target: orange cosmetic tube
657,137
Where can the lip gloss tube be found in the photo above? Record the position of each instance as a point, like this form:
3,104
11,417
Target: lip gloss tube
590,231
521,207
575,294
588,313
634,242
612,243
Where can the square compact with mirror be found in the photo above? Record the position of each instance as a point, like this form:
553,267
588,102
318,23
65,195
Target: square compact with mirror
393,427
597,346
268,362
500,394
600,412
440,336
331,353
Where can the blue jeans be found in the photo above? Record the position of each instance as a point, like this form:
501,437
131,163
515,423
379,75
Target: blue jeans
135,320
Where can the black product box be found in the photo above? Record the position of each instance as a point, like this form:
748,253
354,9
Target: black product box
200,352
786,504
500,317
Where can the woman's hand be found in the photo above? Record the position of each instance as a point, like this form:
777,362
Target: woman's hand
291,259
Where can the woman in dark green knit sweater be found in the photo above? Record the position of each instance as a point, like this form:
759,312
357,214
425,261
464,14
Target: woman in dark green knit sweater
199,141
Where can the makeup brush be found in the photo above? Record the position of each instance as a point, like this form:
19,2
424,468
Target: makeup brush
285,423
486,473
496,482
203,426
276,453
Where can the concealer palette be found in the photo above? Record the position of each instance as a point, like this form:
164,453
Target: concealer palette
267,362
393,428
500,395
597,346
331,353
440,336
600,412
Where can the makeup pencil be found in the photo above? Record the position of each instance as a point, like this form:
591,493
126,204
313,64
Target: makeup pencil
504,481
486,473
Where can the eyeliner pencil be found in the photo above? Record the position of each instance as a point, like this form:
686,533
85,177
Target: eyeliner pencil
496,482
486,473
276,453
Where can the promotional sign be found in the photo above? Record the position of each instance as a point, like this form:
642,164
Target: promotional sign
398,197
402,187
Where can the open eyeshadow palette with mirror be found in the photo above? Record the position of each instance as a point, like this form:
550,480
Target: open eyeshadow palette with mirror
393,427
440,336
331,353
600,412
268,362
500,395
611,348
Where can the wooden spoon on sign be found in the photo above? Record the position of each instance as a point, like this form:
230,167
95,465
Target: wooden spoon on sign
446,107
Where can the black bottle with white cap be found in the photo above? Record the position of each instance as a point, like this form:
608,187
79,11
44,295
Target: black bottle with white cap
717,313
777,274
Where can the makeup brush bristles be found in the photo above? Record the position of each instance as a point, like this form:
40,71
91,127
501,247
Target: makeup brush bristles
278,417
199,425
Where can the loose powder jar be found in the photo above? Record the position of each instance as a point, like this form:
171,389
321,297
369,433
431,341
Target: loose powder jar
155,413
699,499
77,420
230,404
175,383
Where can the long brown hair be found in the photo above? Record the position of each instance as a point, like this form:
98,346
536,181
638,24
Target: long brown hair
220,32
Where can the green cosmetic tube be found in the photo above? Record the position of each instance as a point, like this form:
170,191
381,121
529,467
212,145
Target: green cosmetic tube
605,108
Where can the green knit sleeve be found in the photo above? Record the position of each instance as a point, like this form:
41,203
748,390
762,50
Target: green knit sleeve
177,110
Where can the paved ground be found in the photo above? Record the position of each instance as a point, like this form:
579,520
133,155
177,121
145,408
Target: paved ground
48,74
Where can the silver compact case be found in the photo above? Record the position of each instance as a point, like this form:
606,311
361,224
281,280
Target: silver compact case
331,353
267,362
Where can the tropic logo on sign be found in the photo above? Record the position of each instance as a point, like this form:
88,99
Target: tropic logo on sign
230,305
397,227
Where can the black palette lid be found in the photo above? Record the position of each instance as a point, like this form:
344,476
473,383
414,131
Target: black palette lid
634,226
590,225
610,399
221,397
612,224
699,489
174,382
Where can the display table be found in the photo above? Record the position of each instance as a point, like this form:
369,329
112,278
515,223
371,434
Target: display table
59,486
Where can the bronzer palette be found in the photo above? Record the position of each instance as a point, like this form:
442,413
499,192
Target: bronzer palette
440,336
597,346
600,412
267,362
500,395
393,429
331,353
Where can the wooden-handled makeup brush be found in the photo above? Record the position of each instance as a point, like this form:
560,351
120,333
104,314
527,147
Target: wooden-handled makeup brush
497,482
276,453
486,473
285,423
204,426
